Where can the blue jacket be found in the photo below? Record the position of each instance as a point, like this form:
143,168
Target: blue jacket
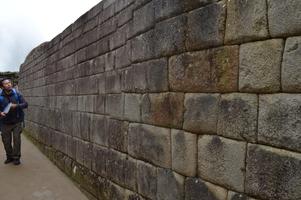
14,115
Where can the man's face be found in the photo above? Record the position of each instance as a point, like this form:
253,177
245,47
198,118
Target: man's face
7,84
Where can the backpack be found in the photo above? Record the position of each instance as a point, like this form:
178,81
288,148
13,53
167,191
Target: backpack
17,97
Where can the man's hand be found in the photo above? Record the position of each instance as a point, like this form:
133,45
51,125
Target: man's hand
2,114
13,105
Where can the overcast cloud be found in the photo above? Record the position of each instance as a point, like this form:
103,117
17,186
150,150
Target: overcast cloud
24,24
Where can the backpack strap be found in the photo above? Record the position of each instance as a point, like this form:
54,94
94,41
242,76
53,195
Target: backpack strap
16,94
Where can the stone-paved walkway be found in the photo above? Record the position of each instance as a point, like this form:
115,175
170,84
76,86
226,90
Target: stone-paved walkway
35,179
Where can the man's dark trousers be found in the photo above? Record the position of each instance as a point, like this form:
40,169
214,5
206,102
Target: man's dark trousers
12,132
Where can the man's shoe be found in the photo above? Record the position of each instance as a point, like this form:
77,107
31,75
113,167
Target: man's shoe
8,160
17,162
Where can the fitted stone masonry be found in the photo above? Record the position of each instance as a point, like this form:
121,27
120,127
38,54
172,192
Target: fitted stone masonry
172,100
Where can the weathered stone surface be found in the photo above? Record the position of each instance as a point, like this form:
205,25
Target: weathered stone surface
284,18
123,56
115,166
169,8
100,104
132,107
291,65
130,173
238,196
115,192
211,70
113,79
259,66
99,162
201,112
184,152
147,180
117,131
143,46
144,18
170,36
237,116
170,185
222,161
151,76
273,173
150,143
196,189
206,26
129,195
114,105
85,126
164,109
99,134
86,85
279,120
86,103
118,38
134,79
101,83
246,21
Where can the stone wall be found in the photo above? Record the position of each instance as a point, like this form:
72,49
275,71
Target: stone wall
173,99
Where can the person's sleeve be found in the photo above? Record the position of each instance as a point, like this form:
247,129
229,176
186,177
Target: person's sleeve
23,104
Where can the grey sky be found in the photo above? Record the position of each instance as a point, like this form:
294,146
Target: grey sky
24,24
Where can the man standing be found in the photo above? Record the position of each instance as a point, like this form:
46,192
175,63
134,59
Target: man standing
11,120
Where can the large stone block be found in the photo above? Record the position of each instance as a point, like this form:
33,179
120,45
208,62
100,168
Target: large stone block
85,126
196,189
115,166
148,76
114,105
134,79
273,173
238,116
222,161
86,103
259,66
147,180
206,26
99,162
201,111
132,109
214,70
123,56
284,18
170,185
150,143
184,152
101,83
113,79
99,134
130,173
169,8
246,21
170,36
279,120
291,65
143,46
117,131
144,18
86,85
164,109
100,104
118,38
